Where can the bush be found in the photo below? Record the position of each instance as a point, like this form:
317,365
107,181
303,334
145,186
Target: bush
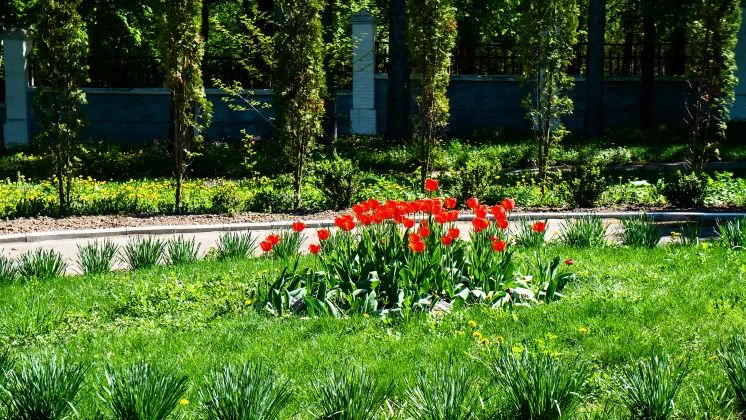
586,185
475,178
235,245
350,395
182,251
142,392
684,190
641,231
225,198
143,253
97,257
339,180
584,231
733,232
41,264
648,389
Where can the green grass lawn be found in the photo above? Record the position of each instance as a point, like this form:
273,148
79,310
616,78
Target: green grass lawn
679,300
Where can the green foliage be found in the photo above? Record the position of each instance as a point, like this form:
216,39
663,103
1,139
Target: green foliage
29,316
350,394
430,38
60,50
235,245
339,180
641,231
143,253
299,83
182,251
648,388
250,391
527,235
289,245
97,257
732,357
732,232
584,231
142,391
475,178
225,198
44,389
684,190
548,33
691,231
181,49
41,264
7,270
539,386
586,185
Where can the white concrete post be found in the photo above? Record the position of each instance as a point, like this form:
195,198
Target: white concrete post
738,110
16,47
363,113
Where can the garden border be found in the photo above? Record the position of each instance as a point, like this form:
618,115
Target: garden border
232,227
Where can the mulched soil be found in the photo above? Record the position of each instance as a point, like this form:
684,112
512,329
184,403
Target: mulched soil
44,224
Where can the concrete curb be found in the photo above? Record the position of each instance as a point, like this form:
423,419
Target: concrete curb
316,224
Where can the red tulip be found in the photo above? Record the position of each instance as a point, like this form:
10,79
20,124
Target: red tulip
414,237
454,233
452,215
417,246
266,246
431,184
424,232
409,223
365,219
450,203
299,226
480,211
314,249
569,262
480,224
373,203
539,227
499,212
446,240
273,239
472,202
508,204
441,218
499,246
323,234
502,223
358,208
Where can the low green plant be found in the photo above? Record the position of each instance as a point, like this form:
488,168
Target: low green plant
143,253
33,316
450,391
349,394
732,233
641,231
339,180
531,233
475,178
691,230
648,388
251,391
539,386
225,198
289,245
684,190
45,387
97,257
586,185
142,392
180,251
41,264
235,245
584,231
7,270
732,357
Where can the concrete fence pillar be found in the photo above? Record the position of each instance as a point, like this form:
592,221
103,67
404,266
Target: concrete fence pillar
363,113
16,47
738,110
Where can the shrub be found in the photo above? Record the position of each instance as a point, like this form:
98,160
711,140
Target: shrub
351,394
225,198
339,180
97,257
584,231
648,389
539,386
251,391
182,251
41,264
684,190
142,392
732,232
44,389
586,185
235,245
475,179
449,392
732,357
143,253
7,270
641,231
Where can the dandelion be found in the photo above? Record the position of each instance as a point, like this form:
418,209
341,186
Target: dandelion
184,401
713,357
248,302
499,339
477,335
366,316
460,333
484,341
584,330
472,323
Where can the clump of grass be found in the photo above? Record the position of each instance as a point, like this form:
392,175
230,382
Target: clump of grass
35,315
41,264
648,388
538,386
527,237
289,245
349,394
251,391
691,231
142,392
43,389
585,231
7,270
732,232
182,251
143,253
235,245
97,257
449,392
732,357
641,231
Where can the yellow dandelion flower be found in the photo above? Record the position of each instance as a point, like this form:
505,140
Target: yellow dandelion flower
484,341
713,357
499,339
477,335
184,401
472,323
584,330
460,333
248,301
366,316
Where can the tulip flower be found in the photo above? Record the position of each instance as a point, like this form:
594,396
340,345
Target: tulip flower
323,234
299,226
431,184
314,249
499,246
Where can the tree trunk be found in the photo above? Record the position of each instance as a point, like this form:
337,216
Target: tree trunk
594,87
330,105
648,68
678,64
398,111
